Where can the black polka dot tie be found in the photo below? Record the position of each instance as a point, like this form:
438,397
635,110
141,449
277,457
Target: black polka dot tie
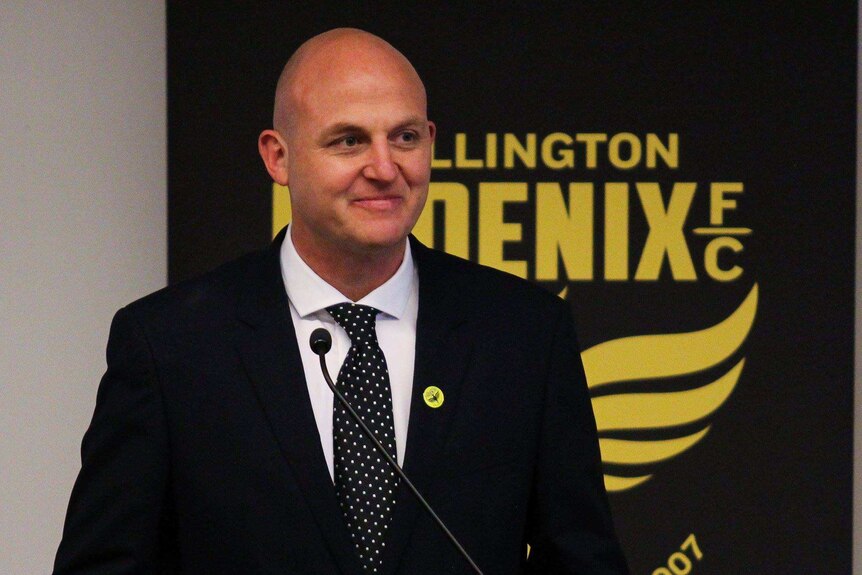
364,482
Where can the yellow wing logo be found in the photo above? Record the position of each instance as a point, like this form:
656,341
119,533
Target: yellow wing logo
652,359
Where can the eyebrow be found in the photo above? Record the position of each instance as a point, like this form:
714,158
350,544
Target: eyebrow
412,121
342,127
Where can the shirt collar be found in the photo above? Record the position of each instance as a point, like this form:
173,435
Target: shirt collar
309,293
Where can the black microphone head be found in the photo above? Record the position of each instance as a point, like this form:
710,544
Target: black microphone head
320,341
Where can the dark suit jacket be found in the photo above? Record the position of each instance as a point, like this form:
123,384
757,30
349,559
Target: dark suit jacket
203,455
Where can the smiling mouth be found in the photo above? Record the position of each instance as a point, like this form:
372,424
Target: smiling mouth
379,203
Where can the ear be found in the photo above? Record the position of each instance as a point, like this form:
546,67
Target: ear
273,150
432,130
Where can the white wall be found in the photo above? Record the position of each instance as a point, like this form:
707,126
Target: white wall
82,231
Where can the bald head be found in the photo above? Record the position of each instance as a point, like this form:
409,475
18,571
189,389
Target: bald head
337,56
352,142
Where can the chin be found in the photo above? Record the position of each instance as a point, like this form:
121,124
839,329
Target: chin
384,234
380,242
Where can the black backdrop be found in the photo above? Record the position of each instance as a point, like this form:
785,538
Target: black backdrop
762,96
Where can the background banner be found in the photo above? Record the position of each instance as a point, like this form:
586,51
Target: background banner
684,178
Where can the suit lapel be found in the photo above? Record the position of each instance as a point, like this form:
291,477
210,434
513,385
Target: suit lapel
267,344
443,348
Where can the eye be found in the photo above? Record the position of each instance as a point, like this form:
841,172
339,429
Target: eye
350,141
408,137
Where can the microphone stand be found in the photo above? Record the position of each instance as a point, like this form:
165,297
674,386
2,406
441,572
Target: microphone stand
320,348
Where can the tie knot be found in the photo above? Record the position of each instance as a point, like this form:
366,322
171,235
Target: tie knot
357,320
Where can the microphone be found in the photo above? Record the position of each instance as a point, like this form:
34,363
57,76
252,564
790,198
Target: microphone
321,343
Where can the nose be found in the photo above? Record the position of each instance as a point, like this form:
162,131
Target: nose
380,165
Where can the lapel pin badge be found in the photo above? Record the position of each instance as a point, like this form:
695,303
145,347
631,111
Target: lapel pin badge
433,396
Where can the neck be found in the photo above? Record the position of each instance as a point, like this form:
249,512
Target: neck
353,273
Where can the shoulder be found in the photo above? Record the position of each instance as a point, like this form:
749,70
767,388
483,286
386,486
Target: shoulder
211,297
481,287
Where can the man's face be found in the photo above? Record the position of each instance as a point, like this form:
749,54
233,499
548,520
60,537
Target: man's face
358,156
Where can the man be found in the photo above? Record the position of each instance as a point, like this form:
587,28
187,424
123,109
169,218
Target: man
216,446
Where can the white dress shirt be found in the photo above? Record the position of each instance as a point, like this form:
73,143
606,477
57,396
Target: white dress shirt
398,302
